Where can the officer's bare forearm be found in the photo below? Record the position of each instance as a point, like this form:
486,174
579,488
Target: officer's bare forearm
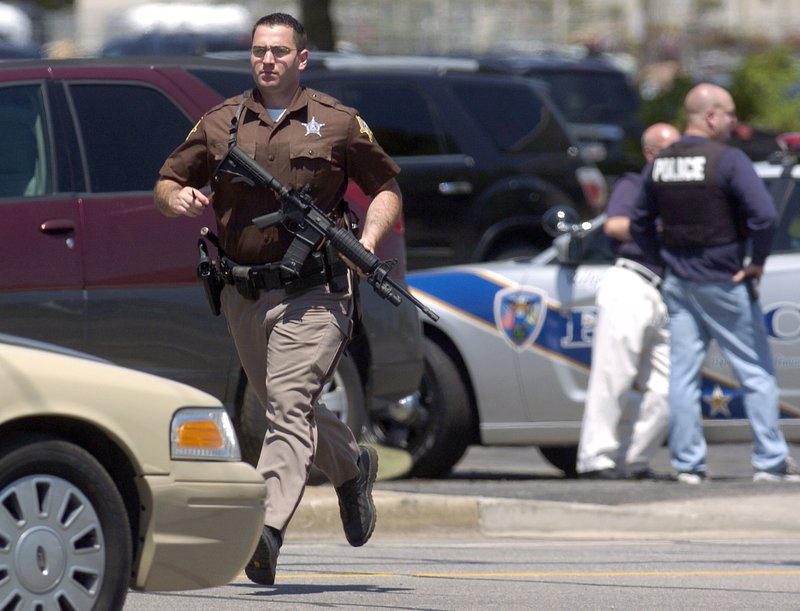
162,193
383,212
618,227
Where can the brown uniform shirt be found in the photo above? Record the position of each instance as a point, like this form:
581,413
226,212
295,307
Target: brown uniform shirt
317,142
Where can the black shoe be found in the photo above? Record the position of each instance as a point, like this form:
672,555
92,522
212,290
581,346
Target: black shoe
649,474
261,568
606,474
355,499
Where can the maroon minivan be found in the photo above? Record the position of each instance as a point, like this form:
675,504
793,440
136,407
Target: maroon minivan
90,264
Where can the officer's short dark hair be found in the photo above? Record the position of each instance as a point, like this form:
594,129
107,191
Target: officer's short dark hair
287,20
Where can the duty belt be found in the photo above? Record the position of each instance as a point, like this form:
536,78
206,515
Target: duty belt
647,274
250,279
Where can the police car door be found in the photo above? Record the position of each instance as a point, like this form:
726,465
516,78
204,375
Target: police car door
555,363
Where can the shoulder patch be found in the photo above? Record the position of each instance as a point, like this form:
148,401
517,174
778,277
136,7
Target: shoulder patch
193,130
363,128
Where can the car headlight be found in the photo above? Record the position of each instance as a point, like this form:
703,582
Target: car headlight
201,433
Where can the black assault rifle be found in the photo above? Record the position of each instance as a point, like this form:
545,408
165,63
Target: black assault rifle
311,226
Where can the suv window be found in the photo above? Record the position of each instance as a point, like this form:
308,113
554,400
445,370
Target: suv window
145,137
401,117
531,131
23,154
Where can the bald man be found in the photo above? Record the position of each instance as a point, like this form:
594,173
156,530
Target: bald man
630,347
714,210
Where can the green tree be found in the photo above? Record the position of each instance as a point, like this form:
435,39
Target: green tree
763,86
52,4
667,106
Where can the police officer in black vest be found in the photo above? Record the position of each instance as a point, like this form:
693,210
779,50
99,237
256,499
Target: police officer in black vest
716,226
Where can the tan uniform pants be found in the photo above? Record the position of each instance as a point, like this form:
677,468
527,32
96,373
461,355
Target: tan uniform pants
289,347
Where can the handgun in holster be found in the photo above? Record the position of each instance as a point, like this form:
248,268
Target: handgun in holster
211,277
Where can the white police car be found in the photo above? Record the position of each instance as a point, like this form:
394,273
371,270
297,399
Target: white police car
508,361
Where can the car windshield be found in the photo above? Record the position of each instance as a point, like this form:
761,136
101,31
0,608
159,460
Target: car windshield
787,200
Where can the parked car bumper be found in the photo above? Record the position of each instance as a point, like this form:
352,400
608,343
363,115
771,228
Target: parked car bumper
209,512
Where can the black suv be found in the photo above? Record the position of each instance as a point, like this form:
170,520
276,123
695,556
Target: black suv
598,100
482,155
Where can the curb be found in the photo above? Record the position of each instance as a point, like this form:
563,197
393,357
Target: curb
412,514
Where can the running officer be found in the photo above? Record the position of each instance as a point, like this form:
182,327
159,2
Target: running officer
289,334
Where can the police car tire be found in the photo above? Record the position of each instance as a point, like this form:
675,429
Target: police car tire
61,476
448,428
562,457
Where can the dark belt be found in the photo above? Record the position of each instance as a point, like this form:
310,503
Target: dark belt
250,279
646,273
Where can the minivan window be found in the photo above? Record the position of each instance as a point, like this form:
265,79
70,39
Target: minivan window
24,166
513,116
125,151
227,83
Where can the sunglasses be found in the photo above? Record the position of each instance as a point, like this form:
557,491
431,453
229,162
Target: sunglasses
277,51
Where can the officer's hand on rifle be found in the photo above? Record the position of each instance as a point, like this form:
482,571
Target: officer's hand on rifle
369,246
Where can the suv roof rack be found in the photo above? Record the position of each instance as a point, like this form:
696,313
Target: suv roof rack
399,62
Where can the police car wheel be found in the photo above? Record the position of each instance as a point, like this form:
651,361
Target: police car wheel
562,457
66,524
441,438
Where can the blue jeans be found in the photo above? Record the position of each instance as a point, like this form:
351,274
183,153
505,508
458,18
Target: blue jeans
698,313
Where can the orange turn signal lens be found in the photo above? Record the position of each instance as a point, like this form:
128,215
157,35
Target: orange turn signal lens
199,434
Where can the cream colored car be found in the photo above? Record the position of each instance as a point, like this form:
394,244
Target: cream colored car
113,479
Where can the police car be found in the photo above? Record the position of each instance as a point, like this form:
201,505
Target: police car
508,361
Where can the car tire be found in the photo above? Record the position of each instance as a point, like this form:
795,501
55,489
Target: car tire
562,457
446,432
516,249
343,395
66,540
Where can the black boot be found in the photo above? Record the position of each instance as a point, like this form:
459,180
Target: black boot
261,568
355,499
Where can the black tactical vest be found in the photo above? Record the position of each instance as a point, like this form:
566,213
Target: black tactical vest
694,210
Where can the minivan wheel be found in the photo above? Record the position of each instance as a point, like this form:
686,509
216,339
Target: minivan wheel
66,539
343,395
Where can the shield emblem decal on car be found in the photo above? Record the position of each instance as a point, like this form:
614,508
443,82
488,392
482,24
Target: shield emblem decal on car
519,312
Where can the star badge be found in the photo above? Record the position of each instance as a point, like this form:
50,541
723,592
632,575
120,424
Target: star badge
718,402
313,127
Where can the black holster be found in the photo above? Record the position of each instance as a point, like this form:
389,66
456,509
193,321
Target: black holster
211,277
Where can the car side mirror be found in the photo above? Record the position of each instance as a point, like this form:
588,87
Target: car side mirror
571,237
559,220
